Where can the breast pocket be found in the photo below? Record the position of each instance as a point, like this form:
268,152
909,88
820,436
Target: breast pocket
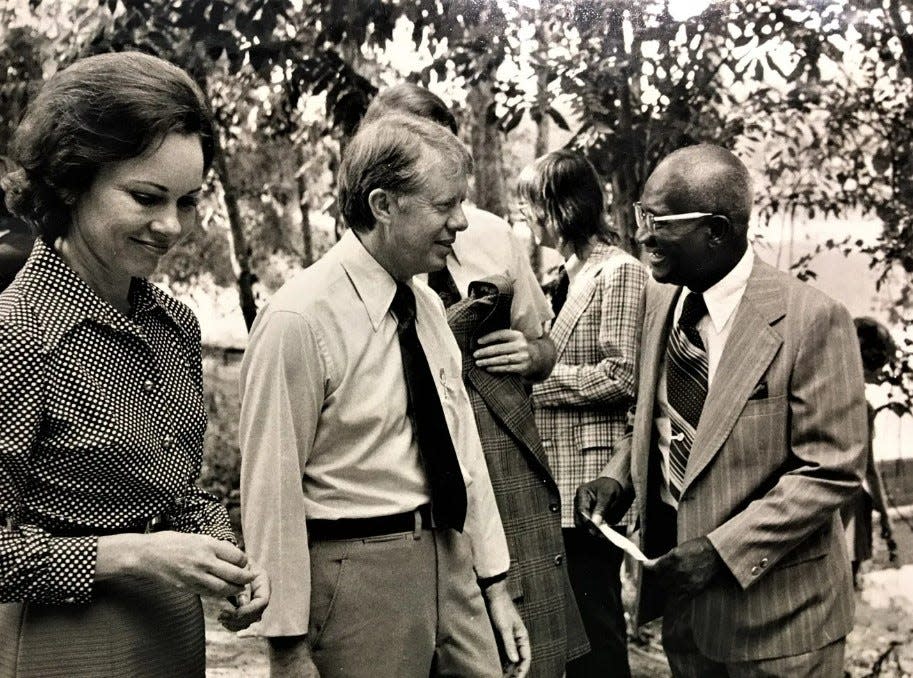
591,437
760,432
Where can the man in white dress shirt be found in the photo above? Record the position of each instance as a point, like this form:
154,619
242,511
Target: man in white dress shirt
365,492
487,247
749,435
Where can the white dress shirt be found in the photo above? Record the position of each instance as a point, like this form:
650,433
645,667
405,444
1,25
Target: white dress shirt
324,426
722,301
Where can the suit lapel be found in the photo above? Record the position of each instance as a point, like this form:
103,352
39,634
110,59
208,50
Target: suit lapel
749,350
657,313
573,308
578,299
509,403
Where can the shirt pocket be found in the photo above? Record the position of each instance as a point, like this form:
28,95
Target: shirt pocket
594,437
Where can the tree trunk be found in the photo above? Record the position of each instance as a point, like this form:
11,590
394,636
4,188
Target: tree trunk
625,185
304,205
543,37
240,248
485,141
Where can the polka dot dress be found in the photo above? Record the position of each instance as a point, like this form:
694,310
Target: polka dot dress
102,422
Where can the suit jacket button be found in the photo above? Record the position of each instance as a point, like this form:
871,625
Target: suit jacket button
755,570
559,559
553,508
764,562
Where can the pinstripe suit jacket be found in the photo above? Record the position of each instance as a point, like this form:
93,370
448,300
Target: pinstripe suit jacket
527,497
768,471
581,408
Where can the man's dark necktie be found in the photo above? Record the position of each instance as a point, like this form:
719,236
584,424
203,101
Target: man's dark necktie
442,282
686,386
448,491
559,296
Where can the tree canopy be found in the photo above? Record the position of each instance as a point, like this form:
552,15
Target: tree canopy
815,94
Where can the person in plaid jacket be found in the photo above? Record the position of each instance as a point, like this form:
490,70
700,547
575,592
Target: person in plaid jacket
581,407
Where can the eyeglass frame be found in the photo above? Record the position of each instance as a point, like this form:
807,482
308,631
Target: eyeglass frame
647,220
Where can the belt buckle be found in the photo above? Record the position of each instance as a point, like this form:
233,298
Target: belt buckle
154,523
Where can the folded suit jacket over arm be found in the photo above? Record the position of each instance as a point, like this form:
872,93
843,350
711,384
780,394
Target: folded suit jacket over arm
527,495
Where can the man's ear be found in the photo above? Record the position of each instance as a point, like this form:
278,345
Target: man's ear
721,228
381,203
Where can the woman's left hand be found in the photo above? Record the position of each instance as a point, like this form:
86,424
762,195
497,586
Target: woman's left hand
238,612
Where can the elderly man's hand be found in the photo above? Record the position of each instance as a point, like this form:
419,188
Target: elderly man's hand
687,569
600,500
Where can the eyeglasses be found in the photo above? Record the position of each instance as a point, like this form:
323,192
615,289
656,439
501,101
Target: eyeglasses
647,221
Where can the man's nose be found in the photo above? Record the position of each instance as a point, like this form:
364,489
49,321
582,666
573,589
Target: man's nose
645,236
457,221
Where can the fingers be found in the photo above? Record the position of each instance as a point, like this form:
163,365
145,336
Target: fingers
250,603
498,336
526,656
229,573
229,553
509,641
582,506
259,596
206,584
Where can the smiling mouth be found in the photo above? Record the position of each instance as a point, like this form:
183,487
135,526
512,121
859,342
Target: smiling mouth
152,247
655,255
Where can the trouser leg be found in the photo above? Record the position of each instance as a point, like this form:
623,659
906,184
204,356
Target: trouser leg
594,568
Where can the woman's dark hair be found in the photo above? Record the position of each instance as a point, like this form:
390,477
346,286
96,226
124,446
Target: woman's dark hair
101,109
564,189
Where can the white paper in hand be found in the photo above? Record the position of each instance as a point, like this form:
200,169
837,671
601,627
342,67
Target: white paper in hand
623,543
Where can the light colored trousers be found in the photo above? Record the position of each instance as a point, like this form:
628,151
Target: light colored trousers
399,606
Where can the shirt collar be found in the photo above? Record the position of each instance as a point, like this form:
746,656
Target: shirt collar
591,266
62,300
723,298
573,266
374,286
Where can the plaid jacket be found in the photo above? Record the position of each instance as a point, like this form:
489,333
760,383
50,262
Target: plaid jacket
581,409
526,493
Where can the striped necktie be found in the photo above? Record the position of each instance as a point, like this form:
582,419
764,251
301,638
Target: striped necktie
686,386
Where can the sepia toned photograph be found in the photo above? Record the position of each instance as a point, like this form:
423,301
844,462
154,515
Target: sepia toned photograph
465,338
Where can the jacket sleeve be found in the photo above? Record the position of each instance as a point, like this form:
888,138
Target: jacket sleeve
826,456
610,379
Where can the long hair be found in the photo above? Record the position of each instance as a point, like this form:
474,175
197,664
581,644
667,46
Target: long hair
564,190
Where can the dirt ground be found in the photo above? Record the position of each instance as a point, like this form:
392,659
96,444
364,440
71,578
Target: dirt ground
881,643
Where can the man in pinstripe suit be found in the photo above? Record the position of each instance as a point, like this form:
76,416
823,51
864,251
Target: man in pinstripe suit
748,435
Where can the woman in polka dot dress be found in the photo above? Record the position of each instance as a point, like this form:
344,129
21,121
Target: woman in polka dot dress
106,543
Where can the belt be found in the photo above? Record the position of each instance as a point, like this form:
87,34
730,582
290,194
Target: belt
156,523
320,529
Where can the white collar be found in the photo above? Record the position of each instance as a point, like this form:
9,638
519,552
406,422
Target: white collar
374,285
723,298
